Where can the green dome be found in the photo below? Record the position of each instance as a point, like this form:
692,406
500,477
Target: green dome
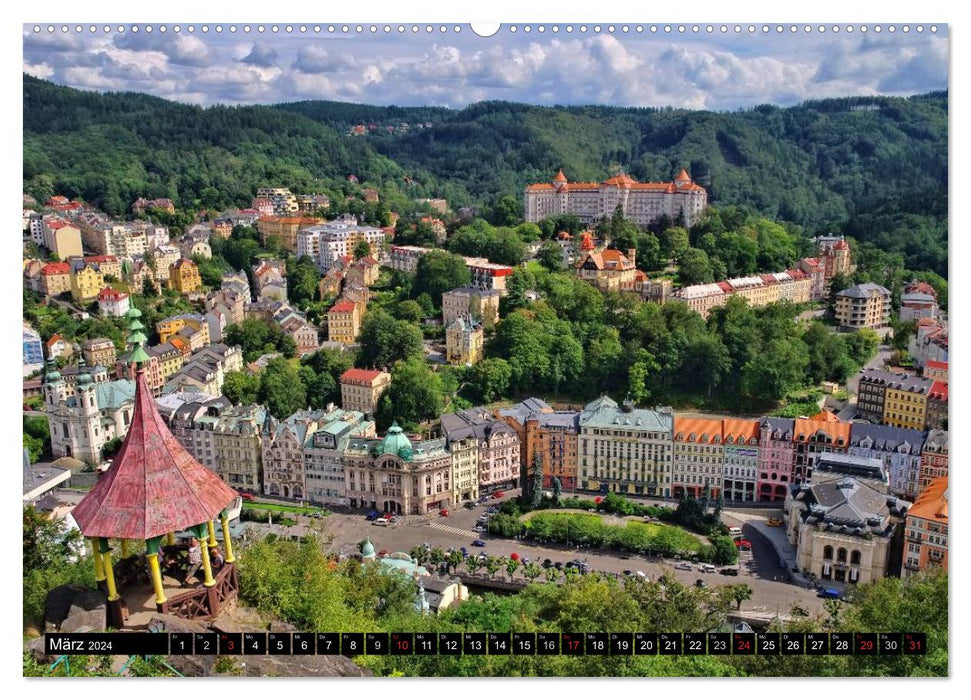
367,549
52,376
396,443
84,379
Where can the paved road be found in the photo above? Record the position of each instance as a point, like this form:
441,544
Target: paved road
760,569
878,362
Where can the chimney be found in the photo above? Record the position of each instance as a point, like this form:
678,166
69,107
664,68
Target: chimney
631,252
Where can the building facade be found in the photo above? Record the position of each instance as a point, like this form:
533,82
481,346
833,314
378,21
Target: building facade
361,389
481,305
464,341
863,306
642,202
698,457
777,457
925,535
740,472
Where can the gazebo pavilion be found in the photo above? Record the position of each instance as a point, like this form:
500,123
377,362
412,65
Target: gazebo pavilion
153,489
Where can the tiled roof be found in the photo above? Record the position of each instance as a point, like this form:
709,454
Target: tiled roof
342,307
864,291
605,413
361,375
700,430
932,503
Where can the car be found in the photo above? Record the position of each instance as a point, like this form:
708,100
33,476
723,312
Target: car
383,553
389,516
684,566
708,568
383,522
492,509
743,544
700,583
735,531
774,522
628,572
247,496
728,571
483,499
443,512
499,494
559,566
372,515
478,543
470,505
642,575
547,563
829,593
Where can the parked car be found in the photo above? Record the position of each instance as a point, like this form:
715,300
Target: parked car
735,531
483,499
684,566
743,544
642,575
728,571
628,572
499,494
829,593
478,543
383,522
774,522
443,512
247,496
708,568
372,515
492,509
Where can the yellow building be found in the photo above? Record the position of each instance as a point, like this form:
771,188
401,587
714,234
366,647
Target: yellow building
464,340
863,306
86,281
608,270
284,228
173,325
343,322
905,402
362,388
184,277
108,264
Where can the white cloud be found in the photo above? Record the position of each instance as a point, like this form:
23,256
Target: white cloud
40,70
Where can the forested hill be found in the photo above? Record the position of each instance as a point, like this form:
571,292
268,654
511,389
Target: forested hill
110,149
871,167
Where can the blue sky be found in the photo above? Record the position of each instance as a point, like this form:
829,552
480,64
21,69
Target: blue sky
701,71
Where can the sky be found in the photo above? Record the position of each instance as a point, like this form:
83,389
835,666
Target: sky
715,71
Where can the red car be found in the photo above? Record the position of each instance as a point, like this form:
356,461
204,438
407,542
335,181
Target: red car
498,494
743,544
247,496
443,512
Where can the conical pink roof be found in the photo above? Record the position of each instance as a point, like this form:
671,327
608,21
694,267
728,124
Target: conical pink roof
154,485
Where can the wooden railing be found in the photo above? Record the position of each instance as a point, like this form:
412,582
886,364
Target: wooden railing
205,601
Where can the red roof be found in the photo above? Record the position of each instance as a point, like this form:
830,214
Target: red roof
935,364
154,485
938,391
361,375
725,287
560,177
109,294
58,268
100,258
54,339
343,307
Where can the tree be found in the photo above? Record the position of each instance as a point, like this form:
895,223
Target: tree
557,489
637,375
385,340
453,559
415,395
439,272
740,593
649,252
362,249
508,211
303,280
694,267
281,388
550,256
408,310
491,378
110,448
511,566
536,479
493,564
37,436
532,571
674,242
52,556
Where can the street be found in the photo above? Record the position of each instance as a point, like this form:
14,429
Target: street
760,568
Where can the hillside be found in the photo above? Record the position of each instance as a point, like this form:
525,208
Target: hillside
872,167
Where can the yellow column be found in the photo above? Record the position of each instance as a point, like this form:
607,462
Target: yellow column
99,573
156,578
224,520
108,570
212,534
207,567
124,549
170,539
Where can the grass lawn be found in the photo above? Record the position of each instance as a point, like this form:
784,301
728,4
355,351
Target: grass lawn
284,509
679,538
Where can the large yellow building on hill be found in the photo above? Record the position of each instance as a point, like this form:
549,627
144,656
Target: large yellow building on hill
86,282
184,277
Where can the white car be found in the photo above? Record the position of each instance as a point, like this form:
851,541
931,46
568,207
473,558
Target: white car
383,522
641,574
683,565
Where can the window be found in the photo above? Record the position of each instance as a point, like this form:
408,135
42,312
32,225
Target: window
827,552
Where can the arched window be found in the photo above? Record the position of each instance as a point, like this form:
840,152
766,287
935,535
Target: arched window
827,552
855,557
841,555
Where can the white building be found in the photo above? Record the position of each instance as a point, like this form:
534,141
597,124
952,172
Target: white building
111,302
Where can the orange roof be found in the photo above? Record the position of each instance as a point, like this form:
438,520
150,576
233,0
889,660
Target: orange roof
935,364
826,417
560,177
931,504
310,220
692,430
682,176
109,294
621,180
805,428
740,430
342,307
586,241
361,375
53,340
179,344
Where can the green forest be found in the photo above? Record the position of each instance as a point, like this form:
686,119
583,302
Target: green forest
874,168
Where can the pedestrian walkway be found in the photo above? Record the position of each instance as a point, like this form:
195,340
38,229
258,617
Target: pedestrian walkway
777,538
454,530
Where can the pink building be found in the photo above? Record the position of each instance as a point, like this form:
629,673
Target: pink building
777,454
